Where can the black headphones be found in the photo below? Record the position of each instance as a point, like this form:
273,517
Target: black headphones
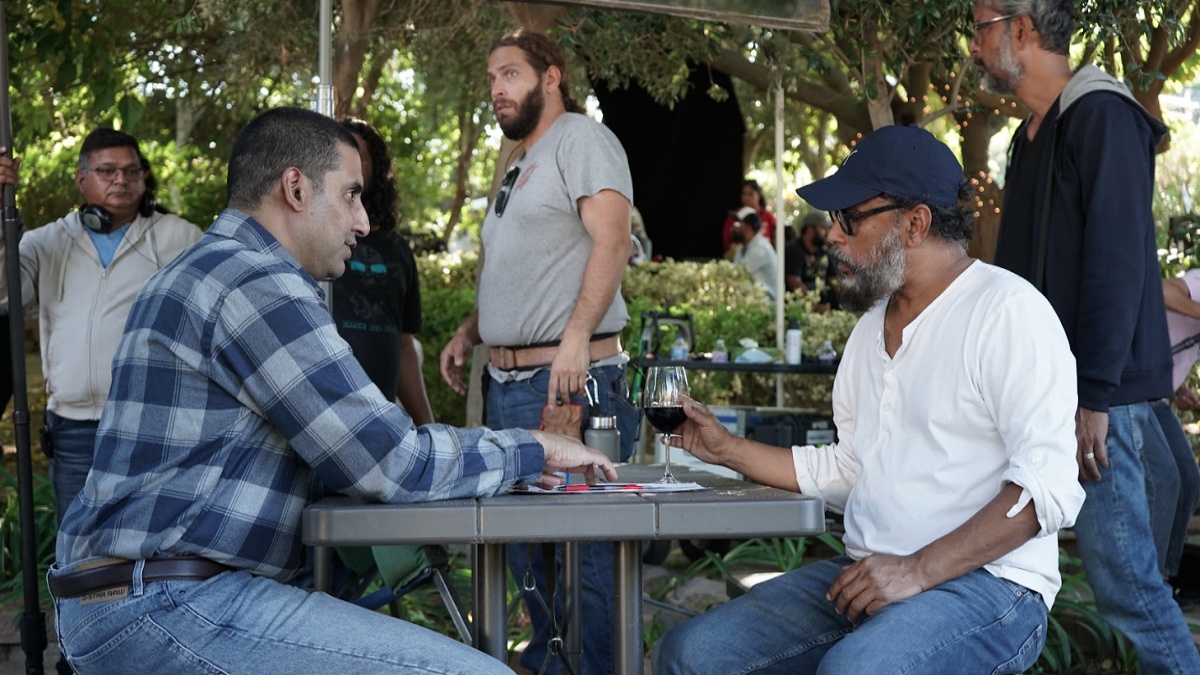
98,219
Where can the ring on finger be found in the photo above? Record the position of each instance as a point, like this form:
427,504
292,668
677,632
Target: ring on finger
1089,455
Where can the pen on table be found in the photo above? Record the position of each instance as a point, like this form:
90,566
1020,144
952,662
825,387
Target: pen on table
600,487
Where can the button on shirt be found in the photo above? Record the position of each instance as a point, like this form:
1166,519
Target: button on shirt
232,396
980,393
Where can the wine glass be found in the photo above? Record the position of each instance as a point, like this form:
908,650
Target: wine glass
662,399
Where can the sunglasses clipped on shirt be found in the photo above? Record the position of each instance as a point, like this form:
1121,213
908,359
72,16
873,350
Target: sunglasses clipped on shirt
506,187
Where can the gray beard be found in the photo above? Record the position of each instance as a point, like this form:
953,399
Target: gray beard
1008,75
878,278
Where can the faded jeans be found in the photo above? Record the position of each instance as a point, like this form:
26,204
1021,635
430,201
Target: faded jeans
1117,546
1172,488
977,623
236,622
519,405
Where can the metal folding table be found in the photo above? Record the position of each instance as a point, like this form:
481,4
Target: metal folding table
728,509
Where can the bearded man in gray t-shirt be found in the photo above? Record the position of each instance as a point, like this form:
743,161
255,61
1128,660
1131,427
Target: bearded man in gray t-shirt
557,239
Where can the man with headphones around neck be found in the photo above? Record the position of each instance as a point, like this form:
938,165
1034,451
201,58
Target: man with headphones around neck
83,271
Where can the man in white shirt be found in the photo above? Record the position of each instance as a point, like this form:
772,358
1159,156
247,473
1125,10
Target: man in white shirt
756,253
955,466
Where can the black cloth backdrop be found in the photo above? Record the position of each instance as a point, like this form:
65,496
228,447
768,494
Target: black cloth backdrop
686,162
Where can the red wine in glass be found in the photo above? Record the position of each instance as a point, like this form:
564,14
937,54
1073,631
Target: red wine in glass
662,398
665,418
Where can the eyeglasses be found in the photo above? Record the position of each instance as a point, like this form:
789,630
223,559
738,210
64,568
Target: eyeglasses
845,218
975,26
109,174
505,192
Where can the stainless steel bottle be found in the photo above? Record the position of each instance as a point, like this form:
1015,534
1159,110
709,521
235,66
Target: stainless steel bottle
602,435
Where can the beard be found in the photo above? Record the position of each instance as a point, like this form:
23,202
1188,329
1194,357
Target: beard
1008,73
529,112
878,278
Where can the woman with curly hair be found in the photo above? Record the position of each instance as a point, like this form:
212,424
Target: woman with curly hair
377,302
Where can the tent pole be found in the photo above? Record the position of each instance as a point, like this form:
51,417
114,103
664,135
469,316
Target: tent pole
33,621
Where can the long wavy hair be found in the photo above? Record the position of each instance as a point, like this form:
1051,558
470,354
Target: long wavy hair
542,52
379,195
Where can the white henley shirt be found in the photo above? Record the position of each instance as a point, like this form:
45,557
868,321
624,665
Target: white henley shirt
980,393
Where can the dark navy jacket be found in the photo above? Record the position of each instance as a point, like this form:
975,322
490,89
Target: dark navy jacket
1101,272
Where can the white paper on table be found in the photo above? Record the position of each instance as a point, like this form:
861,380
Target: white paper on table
607,488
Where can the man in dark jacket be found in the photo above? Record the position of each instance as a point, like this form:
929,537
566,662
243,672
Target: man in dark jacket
1083,233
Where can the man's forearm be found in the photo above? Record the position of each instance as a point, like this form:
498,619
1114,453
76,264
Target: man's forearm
987,536
469,329
601,279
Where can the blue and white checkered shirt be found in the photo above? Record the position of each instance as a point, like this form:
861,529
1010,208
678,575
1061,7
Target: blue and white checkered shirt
233,397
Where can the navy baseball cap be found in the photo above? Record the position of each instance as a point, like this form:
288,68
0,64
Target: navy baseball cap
903,161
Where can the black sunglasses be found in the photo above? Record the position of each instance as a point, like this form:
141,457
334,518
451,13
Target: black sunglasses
845,219
505,192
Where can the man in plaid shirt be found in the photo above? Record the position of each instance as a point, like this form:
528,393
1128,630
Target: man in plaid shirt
232,398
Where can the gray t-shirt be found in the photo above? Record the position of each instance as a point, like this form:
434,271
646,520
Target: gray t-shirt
536,251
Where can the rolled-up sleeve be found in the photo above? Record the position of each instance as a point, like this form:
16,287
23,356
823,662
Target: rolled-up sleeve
1031,392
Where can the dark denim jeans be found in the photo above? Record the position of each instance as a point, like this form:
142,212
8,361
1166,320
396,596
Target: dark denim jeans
519,405
74,447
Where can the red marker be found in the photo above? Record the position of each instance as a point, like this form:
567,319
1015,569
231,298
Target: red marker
600,487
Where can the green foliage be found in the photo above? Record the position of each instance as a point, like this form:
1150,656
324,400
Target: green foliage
45,530
1077,637
447,299
726,303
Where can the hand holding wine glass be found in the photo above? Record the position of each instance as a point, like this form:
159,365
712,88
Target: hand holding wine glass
662,398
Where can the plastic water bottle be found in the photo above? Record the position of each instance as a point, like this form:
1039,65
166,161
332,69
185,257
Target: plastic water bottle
792,343
679,349
827,354
602,434
720,353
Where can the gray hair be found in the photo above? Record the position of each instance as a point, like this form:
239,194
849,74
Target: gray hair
276,140
1053,19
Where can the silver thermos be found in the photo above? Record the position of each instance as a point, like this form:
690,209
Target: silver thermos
602,435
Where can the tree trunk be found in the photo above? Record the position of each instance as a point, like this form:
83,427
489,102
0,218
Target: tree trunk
468,138
349,49
976,134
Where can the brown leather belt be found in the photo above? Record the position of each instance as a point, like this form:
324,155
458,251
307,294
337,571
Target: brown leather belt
508,358
119,574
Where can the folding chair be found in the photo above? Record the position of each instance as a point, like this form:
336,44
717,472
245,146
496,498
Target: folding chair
399,570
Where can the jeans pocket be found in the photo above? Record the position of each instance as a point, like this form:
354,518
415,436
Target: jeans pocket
1026,655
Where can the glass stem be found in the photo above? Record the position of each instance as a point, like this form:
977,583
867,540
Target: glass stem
666,441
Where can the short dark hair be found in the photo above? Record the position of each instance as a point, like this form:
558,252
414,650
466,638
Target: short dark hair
541,52
952,223
1053,19
104,138
276,140
379,190
752,221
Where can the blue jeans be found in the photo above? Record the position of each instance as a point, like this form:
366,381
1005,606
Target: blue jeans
1169,518
236,622
1117,546
519,405
977,623
74,448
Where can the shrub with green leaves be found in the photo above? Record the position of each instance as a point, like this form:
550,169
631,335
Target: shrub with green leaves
721,297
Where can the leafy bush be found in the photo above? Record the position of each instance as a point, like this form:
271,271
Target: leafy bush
721,297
